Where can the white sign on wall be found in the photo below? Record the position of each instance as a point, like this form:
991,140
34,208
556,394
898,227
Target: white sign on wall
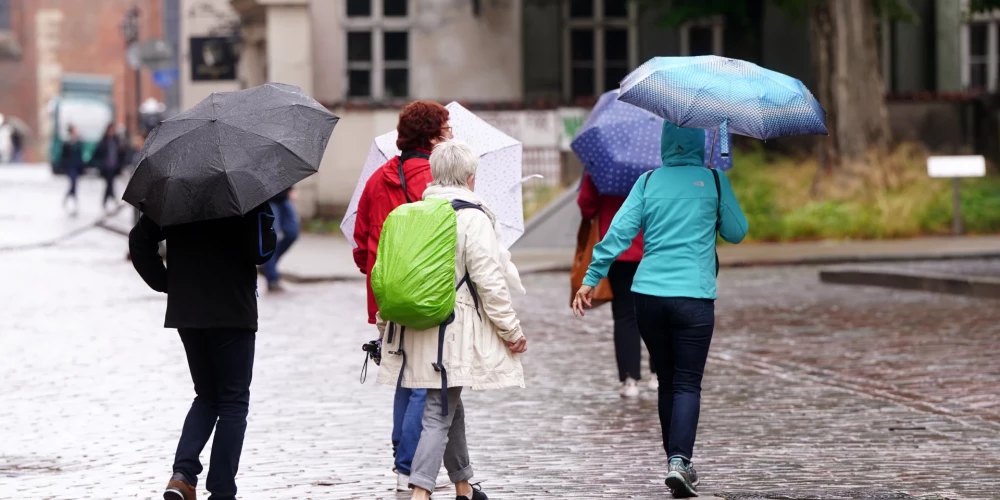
956,166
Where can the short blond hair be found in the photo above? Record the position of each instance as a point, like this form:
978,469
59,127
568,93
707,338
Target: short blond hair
453,163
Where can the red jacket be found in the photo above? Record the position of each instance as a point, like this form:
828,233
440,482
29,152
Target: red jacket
604,207
382,194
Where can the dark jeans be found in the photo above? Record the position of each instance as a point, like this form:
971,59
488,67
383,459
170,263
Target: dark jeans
221,363
407,423
628,345
287,222
109,185
73,174
678,333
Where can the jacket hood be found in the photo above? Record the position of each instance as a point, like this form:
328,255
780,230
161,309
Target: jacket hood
452,193
682,147
390,171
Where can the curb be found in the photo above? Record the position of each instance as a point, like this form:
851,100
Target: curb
901,280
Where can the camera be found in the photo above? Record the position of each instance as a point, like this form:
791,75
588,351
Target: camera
374,350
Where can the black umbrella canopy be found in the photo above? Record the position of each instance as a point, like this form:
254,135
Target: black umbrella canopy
229,154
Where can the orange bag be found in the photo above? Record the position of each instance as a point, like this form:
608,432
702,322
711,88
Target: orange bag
586,238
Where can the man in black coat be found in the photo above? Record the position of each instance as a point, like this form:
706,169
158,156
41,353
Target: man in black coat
211,287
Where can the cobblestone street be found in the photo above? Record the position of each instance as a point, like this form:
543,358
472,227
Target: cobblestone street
813,391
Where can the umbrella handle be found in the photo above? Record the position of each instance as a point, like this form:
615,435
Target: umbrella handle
724,132
711,155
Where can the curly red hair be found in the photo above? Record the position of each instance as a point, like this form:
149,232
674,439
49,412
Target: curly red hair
419,122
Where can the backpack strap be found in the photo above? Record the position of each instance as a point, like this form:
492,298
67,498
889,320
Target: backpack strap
403,158
718,215
439,366
646,182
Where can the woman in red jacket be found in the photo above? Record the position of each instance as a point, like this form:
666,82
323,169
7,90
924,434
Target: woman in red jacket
628,345
402,179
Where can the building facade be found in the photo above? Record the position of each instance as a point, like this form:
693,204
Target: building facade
44,43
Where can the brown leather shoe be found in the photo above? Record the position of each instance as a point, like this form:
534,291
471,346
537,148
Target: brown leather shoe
179,489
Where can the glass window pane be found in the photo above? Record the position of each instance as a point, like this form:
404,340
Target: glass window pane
359,83
394,8
581,8
582,45
615,8
700,41
977,76
613,76
359,8
397,46
977,39
359,46
397,82
583,82
616,45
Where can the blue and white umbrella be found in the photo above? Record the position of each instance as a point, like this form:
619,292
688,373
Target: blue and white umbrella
619,142
729,94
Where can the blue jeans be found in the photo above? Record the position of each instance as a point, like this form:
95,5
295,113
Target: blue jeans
221,364
407,424
286,221
678,332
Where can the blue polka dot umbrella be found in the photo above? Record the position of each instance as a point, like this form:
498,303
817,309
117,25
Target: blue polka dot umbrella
619,142
729,94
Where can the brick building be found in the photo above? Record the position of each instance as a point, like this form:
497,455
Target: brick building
41,41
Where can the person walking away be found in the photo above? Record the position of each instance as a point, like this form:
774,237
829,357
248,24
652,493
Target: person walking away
476,347
628,349
402,179
679,209
288,223
110,156
17,145
211,301
72,164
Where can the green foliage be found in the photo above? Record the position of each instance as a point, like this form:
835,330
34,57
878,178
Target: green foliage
983,5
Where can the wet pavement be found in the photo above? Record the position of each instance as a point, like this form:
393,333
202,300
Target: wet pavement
813,391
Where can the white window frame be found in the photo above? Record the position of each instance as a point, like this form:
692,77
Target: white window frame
598,24
377,24
718,25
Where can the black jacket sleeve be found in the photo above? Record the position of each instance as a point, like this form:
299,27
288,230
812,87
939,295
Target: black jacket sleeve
144,248
260,238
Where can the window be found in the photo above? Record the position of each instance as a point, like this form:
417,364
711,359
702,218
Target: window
4,14
378,49
702,38
980,50
600,45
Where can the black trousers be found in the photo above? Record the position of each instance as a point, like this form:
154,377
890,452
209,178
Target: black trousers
628,343
221,363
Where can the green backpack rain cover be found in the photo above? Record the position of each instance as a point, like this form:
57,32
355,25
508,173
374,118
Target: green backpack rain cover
414,275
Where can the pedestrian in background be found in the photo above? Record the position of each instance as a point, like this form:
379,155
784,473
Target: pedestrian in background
287,221
109,156
72,163
211,301
402,179
477,348
628,344
6,140
679,209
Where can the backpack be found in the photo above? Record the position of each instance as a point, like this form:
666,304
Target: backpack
718,216
413,279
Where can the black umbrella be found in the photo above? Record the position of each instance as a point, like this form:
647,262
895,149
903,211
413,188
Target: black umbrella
229,154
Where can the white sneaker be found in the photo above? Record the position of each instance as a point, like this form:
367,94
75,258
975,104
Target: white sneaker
403,482
654,382
629,389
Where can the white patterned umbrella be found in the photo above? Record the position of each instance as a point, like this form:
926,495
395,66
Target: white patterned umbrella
498,180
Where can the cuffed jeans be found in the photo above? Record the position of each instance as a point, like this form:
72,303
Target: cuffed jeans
407,416
443,439
221,363
678,333
287,221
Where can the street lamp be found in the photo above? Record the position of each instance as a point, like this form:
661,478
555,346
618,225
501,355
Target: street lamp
130,33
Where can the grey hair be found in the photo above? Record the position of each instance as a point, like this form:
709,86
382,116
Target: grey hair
453,163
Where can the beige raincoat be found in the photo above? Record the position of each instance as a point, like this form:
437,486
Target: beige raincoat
475,353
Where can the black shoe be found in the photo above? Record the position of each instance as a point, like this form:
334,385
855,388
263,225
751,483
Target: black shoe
477,494
680,480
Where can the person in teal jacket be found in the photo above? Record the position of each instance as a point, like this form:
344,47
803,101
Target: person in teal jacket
679,211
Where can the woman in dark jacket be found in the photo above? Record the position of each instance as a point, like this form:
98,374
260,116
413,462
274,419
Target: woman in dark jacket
72,164
628,348
109,158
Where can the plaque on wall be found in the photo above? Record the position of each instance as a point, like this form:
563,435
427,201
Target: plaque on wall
213,58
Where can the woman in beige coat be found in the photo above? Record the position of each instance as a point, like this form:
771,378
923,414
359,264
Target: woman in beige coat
481,345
